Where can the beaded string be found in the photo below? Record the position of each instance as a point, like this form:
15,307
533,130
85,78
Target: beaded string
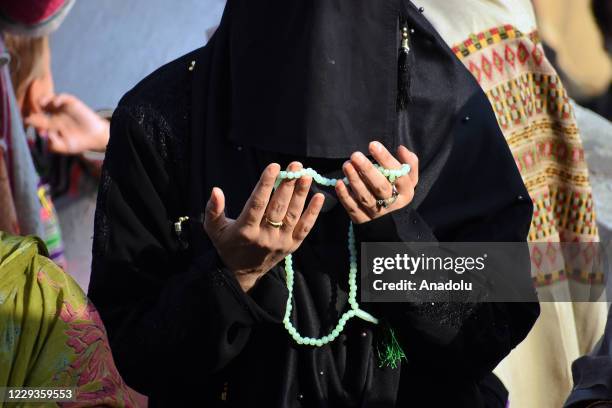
354,311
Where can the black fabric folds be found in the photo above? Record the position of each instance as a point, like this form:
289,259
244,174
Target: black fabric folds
319,79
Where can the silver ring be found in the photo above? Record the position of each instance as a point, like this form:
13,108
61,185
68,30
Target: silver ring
387,202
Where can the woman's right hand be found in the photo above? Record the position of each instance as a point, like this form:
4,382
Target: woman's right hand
250,245
71,126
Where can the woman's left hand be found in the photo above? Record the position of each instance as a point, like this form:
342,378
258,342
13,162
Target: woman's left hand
367,184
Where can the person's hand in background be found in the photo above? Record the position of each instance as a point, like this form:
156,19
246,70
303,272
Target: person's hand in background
70,125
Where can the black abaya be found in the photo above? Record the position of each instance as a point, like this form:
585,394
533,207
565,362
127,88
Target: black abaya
182,330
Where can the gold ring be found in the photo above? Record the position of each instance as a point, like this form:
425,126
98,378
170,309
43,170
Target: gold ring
275,224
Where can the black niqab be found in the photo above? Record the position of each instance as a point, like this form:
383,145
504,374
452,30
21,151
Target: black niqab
319,79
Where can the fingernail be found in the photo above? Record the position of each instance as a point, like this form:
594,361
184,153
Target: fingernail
359,157
377,146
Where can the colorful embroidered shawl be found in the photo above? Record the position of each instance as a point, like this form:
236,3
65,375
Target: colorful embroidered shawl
50,334
534,112
498,42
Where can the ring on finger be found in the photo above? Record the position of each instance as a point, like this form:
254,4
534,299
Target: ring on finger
275,224
387,202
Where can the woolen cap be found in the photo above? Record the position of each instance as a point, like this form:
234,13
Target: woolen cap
33,18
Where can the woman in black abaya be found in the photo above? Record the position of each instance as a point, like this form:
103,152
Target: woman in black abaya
194,307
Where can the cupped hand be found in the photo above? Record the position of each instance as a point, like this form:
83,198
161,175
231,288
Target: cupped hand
70,125
367,184
250,245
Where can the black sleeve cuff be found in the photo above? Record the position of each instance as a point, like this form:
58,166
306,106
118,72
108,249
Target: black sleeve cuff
265,302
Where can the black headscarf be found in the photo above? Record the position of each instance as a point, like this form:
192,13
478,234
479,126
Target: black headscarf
319,78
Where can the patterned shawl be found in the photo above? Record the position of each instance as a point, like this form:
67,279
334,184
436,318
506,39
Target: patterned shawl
52,336
497,40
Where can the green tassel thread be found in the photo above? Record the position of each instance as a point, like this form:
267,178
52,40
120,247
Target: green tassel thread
392,353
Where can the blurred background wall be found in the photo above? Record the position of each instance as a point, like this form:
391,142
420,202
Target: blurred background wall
104,47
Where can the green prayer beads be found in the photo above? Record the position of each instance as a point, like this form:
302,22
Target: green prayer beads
354,310
390,174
